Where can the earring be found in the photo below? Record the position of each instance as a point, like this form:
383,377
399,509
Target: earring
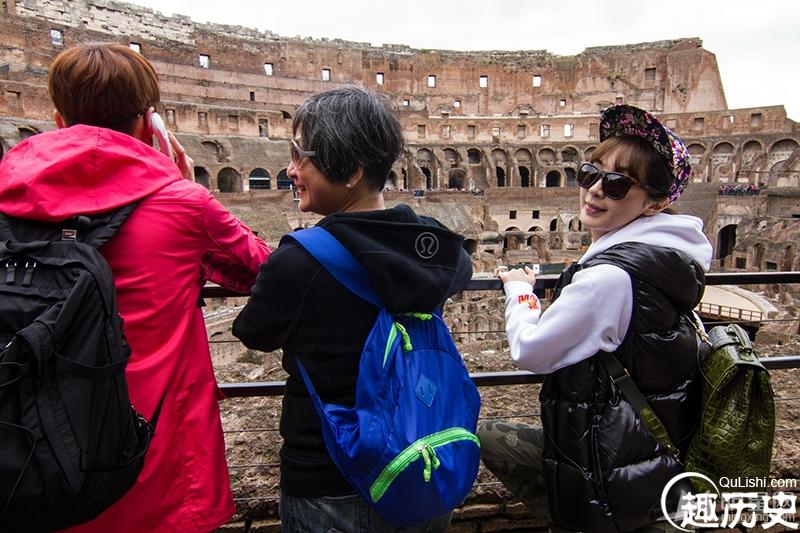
349,185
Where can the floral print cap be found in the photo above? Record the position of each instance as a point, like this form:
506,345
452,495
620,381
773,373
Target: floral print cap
630,120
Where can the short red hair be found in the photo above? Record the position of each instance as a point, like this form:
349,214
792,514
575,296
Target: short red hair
102,84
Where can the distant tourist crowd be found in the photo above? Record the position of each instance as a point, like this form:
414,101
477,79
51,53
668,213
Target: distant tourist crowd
739,190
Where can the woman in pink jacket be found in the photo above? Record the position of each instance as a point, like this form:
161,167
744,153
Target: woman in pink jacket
176,239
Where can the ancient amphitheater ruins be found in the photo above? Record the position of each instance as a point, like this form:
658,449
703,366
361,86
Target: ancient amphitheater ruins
493,138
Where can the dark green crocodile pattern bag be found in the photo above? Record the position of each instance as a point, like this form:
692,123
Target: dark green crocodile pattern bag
737,424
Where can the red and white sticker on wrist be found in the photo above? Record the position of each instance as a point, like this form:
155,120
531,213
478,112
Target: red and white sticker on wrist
530,299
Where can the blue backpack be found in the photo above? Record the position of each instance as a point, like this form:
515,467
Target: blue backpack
408,446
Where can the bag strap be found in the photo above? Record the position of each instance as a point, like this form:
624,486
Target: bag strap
94,230
620,376
338,261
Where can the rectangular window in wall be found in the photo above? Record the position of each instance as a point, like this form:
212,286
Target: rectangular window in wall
756,119
446,132
136,47
456,103
619,100
263,128
170,117
379,78
269,69
326,74
741,262
698,123
562,103
593,130
727,122
512,214
13,101
537,80
421,131
202,119
483,81
671,123
57,37
569,130
534,214
406,103
252,96
431,80
233,122
470,131
205,60
544,130
770,265
650,74
495,134
522,131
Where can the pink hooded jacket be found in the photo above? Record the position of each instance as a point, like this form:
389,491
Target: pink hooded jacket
178,237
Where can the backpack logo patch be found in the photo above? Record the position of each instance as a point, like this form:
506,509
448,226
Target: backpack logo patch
425,390
426,245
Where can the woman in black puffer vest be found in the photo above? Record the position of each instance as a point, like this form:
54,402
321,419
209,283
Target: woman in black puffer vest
631,294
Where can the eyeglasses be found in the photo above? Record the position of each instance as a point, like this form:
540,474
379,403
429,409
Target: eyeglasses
298,154
615,184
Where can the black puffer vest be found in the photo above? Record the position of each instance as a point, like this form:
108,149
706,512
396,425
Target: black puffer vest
605,471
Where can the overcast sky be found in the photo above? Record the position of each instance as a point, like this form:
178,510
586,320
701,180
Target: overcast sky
757,42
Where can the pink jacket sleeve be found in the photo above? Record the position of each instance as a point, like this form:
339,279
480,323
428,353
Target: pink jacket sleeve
233,253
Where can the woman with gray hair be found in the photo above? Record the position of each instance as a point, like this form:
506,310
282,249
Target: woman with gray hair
344,144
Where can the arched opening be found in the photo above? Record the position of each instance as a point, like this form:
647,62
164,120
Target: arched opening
474,156
284,181
405,179
229,180
455,178
259,179
25,132
569,155
524,176
572,179
426,160
202,176
575,224
554,224
587,155
213,149
501,176
452,157
391,181
428,178
546,156
553,179
726,240
470,245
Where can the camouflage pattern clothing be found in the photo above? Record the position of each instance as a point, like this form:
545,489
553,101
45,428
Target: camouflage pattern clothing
513,453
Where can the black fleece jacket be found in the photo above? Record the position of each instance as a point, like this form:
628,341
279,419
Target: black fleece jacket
297,306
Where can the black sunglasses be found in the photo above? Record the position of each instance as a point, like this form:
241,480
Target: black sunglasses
615,184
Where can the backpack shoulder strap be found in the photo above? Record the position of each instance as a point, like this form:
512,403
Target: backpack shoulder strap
338,261
620,376
94,230
102,228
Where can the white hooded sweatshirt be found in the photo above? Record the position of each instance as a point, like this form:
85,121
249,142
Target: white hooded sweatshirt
594,311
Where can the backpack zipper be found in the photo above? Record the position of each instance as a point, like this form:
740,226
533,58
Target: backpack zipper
423,448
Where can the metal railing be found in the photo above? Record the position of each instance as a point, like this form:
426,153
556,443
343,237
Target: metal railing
544,282
248,514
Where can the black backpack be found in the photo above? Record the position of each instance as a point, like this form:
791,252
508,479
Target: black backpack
71,444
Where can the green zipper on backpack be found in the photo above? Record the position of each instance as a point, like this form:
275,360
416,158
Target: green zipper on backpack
397,326
422,448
